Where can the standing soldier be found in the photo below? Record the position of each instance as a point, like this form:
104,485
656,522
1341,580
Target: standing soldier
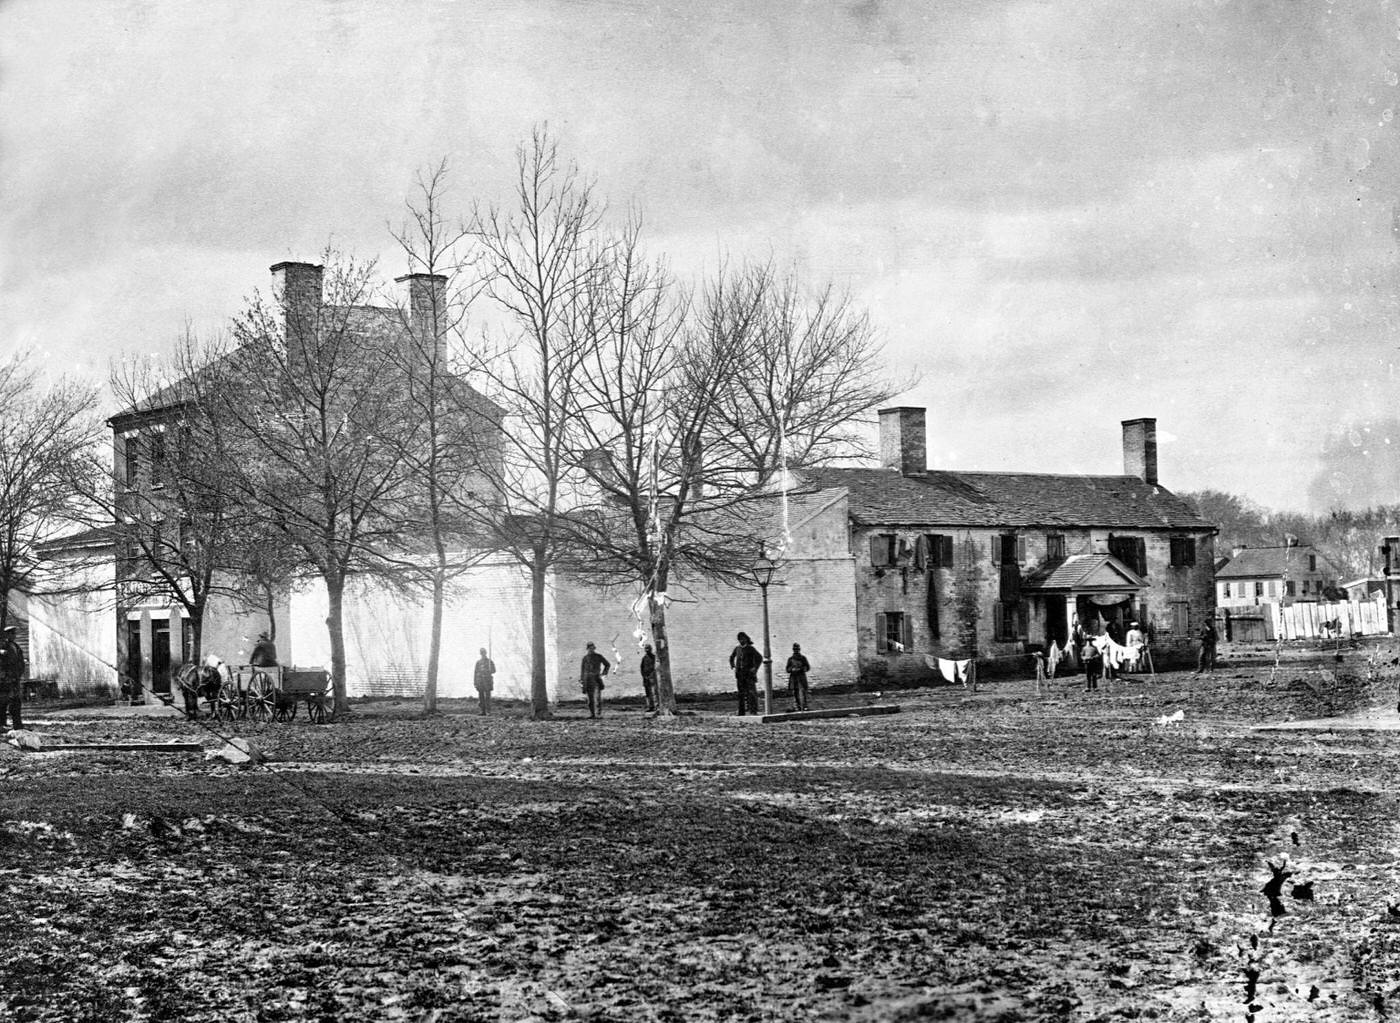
746,660
590,676
1206,660
12,672
649,677
797,668
485,681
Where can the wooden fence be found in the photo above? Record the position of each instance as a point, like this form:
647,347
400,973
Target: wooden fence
1326,621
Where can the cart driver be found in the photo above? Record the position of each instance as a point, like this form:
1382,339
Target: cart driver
264,653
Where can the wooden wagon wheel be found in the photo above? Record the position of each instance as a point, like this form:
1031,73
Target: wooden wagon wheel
284,708
226,704
260,697
318,707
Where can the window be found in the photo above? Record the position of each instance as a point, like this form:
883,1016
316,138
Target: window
1183,552
1258,589
157,460
893,632
1273,590
882,549
940,550
1054,547
1305,587
1008,549
1312,562
1009,621
1289,588
1224,589
1131,550
133,461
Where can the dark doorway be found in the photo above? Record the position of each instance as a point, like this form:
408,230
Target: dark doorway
1090,613
1056,622
133,656
160,657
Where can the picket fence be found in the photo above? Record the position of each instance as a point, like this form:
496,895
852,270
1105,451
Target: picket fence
1315,621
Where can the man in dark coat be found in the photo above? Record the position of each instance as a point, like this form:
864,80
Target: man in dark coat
746,660
649,677
590,676
12,672
484,678
797,668
1205,661
264,653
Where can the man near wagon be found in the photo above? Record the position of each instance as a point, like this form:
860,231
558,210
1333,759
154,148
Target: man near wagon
746,660
590,676
12,671
264,653
484,678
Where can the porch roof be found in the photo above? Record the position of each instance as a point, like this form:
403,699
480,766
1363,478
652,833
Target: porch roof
1083,573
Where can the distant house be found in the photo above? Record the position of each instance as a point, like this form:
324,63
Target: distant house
1363,589
1275,575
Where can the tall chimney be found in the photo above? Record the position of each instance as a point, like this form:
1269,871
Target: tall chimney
427,307
1140,449
297,287
902,440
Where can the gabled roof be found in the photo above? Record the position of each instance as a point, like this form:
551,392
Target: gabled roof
1081,572
992,499
1266,562
97,536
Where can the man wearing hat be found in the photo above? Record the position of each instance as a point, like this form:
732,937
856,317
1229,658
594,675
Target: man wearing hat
590,677
12,672
797,668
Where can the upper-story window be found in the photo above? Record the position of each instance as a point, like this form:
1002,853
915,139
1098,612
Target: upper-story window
1183,552
1131,550
1312,562
1054,546
157,459
882,549
133,461
940,549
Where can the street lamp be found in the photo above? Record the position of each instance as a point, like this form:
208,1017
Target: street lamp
763,570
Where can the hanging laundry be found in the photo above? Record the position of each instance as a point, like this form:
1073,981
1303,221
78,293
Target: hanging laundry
1052,660
920,553
961,667
948,669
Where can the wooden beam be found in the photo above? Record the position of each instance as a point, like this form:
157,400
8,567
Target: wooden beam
833,712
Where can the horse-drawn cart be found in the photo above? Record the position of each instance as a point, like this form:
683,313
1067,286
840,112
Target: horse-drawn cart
257,693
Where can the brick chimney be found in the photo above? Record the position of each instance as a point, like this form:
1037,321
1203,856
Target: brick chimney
902,440
427,306
297,287
1140,449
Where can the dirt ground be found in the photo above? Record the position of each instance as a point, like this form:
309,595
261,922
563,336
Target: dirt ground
1004,855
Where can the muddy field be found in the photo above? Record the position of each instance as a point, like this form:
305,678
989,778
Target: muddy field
1005,855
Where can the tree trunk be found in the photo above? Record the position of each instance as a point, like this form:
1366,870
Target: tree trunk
335,624
196,620
539,682
430,690
665,690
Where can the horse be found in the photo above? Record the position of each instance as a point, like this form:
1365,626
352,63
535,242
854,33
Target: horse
200,682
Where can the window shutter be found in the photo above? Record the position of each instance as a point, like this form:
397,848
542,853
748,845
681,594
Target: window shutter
996,549
908,634
998,620
879,550
1023,620
881,635
946,557
1021,550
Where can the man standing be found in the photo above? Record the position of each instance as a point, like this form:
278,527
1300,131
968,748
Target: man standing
797,668
485,680
590,676
1206,660
649,677
12,672
746,660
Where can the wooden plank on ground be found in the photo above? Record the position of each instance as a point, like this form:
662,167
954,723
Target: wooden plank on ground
832,712
142,747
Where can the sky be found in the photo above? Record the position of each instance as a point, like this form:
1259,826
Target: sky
1059,215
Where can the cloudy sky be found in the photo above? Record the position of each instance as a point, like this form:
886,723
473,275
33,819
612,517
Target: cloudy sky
1060,214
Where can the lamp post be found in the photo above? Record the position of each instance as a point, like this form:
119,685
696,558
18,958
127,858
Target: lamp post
763,570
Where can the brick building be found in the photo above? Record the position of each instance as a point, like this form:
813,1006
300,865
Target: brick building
1276,575
987,565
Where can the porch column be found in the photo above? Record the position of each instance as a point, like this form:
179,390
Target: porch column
146,675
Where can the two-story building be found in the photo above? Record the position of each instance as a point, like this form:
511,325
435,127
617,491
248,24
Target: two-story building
987,565
1285,575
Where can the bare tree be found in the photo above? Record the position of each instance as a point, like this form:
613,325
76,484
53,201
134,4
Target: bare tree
454,454
314,421
539,256
690,407
47,435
